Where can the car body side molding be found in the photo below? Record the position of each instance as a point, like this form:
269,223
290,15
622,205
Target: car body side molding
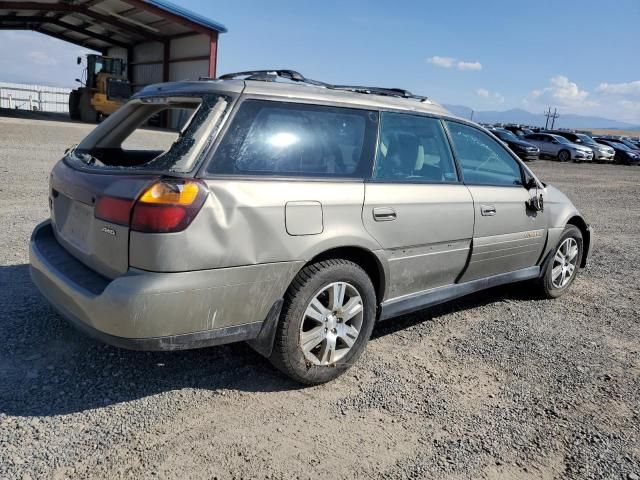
427,298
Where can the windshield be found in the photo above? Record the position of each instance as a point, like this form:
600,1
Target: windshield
505,135
561,139
586,138
628,144
619,146
153,133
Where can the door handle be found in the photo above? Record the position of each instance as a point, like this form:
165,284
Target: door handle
384,214
488,210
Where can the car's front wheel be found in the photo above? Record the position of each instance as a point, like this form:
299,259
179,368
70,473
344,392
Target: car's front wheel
564,156
326,321
562,269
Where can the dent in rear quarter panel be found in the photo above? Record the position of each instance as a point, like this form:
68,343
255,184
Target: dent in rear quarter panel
243,223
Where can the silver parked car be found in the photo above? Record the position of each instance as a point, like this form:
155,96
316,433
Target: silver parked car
291,214
559,147
601,153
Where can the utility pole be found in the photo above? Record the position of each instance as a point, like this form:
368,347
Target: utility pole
547,114
551,116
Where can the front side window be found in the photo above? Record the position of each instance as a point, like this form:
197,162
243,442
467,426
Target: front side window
483,160
293,139
412,148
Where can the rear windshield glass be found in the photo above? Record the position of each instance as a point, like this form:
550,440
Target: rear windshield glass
156,133
289,139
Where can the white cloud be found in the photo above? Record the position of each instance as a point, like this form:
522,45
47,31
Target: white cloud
444,62
450,62
41,58
495,96
628,88
564,92
469,66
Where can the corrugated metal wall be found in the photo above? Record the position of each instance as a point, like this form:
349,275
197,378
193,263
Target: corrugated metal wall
150,56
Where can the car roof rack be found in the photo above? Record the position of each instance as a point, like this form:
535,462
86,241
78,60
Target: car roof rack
292,75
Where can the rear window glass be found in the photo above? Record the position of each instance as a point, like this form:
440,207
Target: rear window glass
157,133
288,139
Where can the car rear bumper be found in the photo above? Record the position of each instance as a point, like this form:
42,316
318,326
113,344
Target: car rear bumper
158,311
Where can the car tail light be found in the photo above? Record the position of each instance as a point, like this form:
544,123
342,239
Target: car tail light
114,210
168,205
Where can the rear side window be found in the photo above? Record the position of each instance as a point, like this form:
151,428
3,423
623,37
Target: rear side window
483,160
412,148
132,138
289,139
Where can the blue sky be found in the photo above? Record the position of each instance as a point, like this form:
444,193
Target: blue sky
582,56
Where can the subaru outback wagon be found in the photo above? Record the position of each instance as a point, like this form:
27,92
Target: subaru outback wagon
292,214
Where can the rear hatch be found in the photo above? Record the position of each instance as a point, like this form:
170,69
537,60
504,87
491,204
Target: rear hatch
101,245
96,190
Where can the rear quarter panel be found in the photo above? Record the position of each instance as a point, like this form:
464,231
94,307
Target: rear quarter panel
243,222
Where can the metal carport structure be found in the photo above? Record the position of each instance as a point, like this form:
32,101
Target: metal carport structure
159,41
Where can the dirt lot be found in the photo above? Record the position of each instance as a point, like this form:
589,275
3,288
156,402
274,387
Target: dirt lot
498,385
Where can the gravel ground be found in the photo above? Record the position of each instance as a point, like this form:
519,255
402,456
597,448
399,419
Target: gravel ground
497,385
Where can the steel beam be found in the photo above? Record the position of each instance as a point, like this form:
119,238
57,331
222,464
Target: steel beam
67,26
142,5
82,10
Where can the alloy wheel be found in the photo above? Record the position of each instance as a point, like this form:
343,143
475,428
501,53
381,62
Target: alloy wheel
564,263
331,323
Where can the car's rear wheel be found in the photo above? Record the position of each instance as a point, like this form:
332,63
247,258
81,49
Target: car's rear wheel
564,156
326,321
562,268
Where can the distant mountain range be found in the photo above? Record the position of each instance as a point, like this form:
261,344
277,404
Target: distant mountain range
517,115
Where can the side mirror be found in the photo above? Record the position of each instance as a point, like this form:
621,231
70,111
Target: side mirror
536,203
79,60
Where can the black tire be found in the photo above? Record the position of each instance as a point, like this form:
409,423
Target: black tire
74,105
564,155
87,113
287,355
545,283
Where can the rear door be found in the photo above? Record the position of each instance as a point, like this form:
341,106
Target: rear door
416,207
538,140
508,235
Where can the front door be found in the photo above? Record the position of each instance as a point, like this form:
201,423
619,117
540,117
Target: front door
416,207
508,234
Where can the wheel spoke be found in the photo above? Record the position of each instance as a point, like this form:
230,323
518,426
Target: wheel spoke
573,251
349,335
327,351
570,269
336,295
559,256
316,310
555,273
312,338
351,309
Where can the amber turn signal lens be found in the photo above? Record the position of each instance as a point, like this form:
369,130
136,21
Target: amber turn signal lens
163,193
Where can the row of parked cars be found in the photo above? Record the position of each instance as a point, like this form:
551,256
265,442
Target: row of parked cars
567,145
